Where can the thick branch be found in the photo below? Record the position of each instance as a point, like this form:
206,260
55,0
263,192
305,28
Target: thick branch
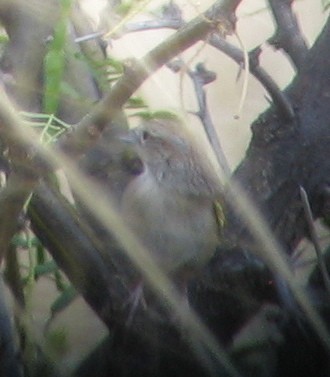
294,155
10,365
75,253
22,61
288,34
23,178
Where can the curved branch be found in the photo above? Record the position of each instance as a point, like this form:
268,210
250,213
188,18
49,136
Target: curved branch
87,131
279,98
75,252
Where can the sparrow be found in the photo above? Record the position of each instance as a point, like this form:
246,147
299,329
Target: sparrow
173,203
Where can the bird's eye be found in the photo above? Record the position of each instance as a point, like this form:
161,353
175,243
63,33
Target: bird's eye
145,135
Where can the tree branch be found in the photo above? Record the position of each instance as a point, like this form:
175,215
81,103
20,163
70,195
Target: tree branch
87,131
201,77
22,61
279,98
10,363
75,253
286,151
22,179
288,35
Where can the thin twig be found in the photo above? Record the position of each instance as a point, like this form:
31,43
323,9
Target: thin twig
89,37
281,101
279,98
314,238
204,115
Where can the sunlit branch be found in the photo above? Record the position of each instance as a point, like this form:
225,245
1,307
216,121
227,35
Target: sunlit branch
280,99
87,131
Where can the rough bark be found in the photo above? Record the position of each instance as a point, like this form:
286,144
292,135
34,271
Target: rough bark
284,155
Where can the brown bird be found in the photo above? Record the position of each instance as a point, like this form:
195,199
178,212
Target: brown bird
171,205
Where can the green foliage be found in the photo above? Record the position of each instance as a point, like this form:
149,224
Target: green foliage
46,268
125,7
54,62
136,103
159,114
39,264
4,39
50,126
128,7
3,42
106,71
63,300
20,240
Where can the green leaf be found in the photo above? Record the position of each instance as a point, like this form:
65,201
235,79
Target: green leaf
45,268
125,7
41,253
160,114
20,240
63,300
51,126
105,71
136,102
54,61
60,281
4,39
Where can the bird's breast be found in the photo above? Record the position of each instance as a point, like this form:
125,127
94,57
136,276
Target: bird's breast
178,230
